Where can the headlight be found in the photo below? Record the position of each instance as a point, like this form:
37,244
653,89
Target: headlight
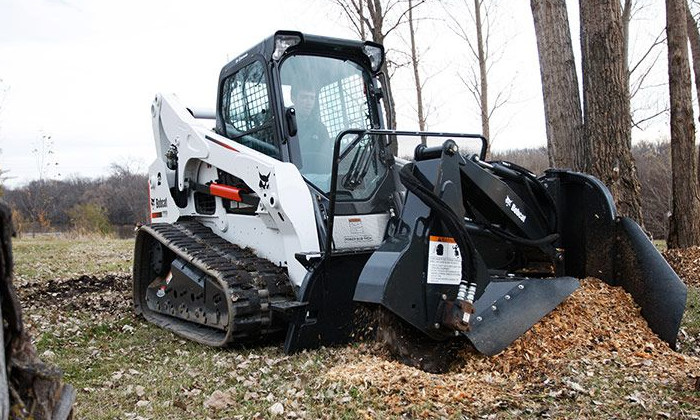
375,53
282,43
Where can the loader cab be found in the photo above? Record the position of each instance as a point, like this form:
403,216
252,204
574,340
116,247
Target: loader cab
292,96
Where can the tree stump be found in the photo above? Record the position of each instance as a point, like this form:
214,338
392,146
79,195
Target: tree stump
28,387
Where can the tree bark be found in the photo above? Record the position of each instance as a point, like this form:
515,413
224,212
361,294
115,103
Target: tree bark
694,38
684,229
606,105
562,106
626,19
29,389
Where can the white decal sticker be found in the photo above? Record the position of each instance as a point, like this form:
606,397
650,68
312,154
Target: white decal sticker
444,261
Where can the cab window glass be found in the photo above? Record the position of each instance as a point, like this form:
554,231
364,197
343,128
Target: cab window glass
343,104
246,109
329,96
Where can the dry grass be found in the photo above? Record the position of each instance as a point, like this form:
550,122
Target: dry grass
593,357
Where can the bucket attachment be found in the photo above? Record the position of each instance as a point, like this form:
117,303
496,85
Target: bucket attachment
471,235
520,241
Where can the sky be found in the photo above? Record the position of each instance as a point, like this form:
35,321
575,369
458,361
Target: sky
77,77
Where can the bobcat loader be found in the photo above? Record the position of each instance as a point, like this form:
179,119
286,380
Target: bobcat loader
292,213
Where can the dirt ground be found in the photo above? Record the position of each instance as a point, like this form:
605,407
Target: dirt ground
594,352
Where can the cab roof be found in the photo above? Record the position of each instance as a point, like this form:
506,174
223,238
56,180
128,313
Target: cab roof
310,44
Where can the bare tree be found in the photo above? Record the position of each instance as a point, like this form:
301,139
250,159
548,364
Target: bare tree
606,104
562,106
415,63
476,33
684,229
642,68
45,156
375,20
125,194
482,90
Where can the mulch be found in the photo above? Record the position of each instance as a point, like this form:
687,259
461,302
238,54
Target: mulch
597,331
686,262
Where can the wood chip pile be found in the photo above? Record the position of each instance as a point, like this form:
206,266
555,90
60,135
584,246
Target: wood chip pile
598,328
686,262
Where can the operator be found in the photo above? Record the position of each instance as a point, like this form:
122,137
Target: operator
314,141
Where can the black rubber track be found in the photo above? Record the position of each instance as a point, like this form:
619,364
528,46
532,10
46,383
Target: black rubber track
249,282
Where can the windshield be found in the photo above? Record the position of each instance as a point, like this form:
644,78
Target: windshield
329,96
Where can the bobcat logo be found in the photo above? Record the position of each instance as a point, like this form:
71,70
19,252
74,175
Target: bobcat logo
264,180
159,203
515,209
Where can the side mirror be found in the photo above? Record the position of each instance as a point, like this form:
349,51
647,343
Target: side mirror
291,117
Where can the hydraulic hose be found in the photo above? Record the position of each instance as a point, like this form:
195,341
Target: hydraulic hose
520,240
453,223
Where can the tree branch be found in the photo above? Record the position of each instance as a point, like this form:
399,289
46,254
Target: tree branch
659,40
643,120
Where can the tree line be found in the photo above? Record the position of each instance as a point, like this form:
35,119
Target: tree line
104,205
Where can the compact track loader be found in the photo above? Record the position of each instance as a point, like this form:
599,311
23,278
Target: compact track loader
292,217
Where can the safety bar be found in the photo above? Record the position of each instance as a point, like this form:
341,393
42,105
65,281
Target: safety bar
337,157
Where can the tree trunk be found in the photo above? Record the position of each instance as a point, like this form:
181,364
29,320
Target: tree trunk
377,17
562,106
694,38
684,229
606,105
29,389
416,74
626,19
483,90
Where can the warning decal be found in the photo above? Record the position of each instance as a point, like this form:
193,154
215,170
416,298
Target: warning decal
444,261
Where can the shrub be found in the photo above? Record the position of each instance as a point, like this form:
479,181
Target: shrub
89,218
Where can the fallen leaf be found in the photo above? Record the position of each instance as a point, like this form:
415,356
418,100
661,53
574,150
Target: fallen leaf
277,409
218,400
575,386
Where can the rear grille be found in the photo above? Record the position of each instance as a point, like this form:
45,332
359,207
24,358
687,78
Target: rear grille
204,204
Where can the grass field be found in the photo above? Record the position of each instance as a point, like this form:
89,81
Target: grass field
125,368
